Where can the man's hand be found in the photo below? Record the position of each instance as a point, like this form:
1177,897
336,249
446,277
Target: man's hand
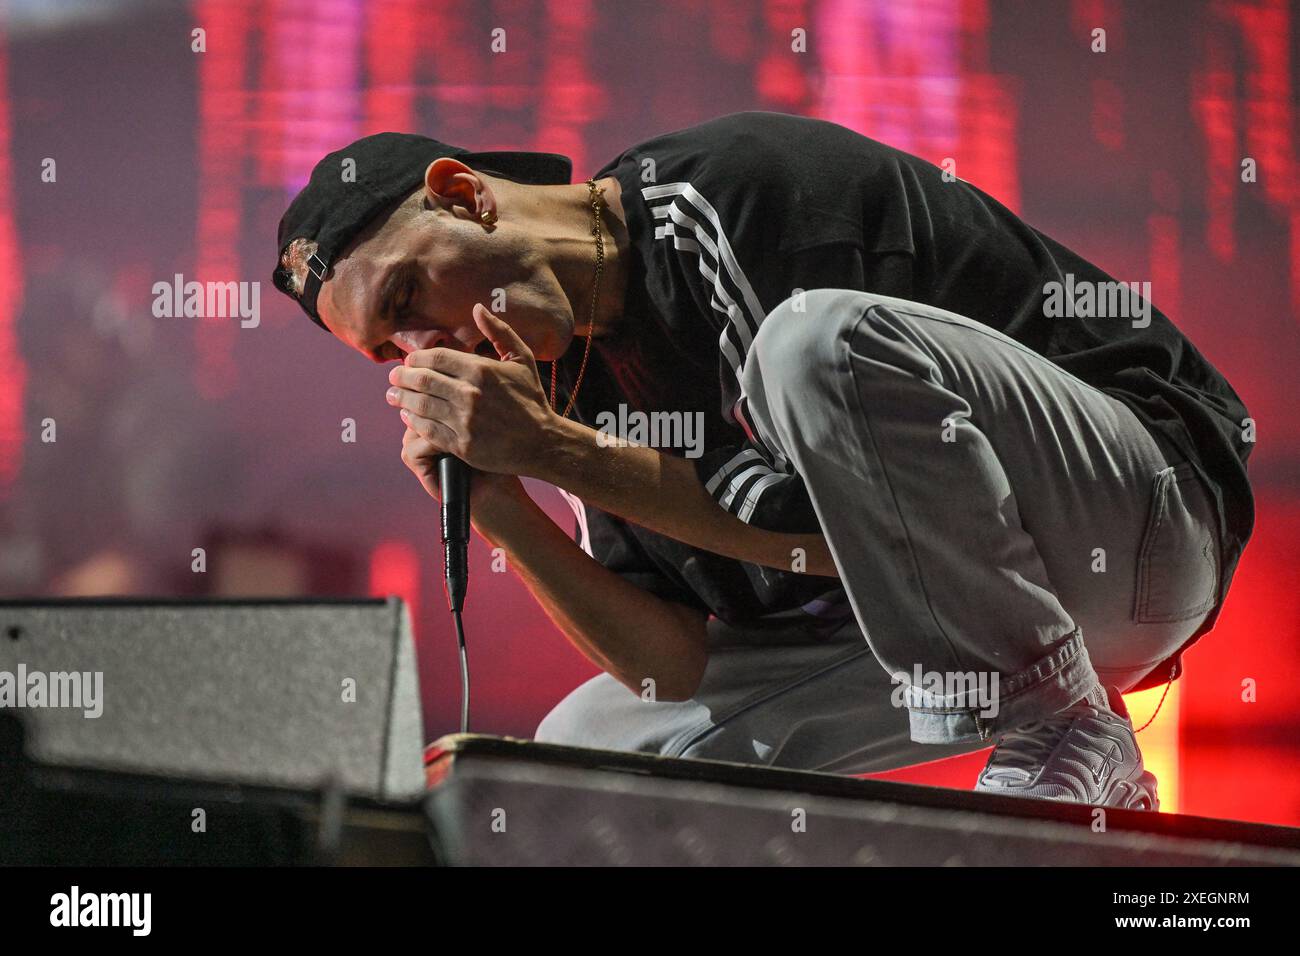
493,415
494,499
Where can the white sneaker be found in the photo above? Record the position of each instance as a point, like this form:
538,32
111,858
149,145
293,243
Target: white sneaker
1087,753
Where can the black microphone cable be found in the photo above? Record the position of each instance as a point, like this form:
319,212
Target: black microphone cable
464,673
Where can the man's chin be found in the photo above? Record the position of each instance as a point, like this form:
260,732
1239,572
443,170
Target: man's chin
556,347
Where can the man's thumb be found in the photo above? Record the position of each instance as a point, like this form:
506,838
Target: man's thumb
510,347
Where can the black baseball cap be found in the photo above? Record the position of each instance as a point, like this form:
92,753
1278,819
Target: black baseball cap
388,168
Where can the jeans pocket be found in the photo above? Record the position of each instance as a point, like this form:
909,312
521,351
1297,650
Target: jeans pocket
1178,563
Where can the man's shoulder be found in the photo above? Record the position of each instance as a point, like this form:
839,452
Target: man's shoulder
773,183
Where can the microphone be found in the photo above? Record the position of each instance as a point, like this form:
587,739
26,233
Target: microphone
453,486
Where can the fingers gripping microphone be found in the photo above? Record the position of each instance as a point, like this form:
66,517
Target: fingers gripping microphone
453,488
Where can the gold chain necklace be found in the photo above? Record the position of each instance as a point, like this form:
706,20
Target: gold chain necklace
595,295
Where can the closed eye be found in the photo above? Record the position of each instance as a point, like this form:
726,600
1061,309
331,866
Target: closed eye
398,291
405,300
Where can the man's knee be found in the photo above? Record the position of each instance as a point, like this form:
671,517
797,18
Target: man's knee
802,325
605,715
573,720
807,341
799,346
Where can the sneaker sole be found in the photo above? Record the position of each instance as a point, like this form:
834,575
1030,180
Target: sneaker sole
1139,794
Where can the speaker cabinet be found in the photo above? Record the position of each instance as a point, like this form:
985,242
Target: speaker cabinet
284,693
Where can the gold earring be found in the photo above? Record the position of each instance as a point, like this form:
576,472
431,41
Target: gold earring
488,217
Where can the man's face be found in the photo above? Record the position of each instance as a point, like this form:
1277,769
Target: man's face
410,282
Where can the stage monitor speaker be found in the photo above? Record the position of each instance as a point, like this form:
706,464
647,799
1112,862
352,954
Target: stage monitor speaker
288,693
497,801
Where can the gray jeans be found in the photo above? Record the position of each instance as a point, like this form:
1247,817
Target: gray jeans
996,522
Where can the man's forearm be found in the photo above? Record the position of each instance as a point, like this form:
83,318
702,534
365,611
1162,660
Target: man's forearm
662,493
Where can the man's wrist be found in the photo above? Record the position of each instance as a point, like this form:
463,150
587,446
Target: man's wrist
565,445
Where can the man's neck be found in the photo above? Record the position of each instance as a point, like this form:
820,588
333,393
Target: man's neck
562,216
